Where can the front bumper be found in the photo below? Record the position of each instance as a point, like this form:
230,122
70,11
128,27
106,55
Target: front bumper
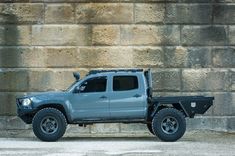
25,113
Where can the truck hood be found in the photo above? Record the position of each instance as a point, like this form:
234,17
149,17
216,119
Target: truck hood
47,95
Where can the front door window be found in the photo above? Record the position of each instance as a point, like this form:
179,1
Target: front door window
97,84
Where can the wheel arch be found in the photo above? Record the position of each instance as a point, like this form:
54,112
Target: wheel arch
160,106
57,106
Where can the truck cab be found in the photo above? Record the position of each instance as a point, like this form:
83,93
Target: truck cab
110,96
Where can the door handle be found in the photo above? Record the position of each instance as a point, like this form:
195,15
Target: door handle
137,95
103,97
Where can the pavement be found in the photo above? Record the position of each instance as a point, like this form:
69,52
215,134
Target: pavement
201,143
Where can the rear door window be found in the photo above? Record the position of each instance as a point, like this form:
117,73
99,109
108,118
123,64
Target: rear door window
125,83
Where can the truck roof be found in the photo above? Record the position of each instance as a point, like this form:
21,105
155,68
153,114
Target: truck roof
115,71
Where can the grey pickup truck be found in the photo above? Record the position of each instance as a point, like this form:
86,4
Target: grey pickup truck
110,96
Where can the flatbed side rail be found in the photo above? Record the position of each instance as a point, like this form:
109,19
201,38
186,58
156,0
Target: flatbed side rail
199,106
190,105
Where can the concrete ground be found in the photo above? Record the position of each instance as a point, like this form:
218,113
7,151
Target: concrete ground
193,143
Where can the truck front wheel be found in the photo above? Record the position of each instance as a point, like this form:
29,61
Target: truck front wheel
49,124
169,124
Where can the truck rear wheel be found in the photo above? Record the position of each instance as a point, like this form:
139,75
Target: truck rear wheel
169,124
49,124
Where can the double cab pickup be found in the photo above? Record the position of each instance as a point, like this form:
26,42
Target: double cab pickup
110,96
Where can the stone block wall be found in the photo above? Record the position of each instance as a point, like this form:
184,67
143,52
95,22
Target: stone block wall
189,44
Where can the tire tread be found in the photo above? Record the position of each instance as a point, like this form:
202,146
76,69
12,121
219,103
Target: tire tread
181,115
61,115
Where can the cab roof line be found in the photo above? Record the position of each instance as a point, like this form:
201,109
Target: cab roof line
116,70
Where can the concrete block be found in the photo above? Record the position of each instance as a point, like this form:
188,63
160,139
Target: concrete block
41,80
204,35
105,35
199,57
52,56
223,104
61,56
231,124
52,79
13,80
188,13
133,128
205,80
232,106
149,35
2,122
224,13
60,13
8,102
11,1
120,57
37,1
17,133
15,35
226,1
218,123
105,128
21,13
175,56
74,130
196,57
223,57
233,79
196,1
149,13
14,57
231,35
148,57
105,57
150,1
105,1
15,123
60,35
104,13
166,80
207,123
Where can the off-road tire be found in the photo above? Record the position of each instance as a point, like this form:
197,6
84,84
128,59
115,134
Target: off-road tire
169,124
149,126
43,120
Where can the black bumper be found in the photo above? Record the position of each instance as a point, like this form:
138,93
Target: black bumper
25,113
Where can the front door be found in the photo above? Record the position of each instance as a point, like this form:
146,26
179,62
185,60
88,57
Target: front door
91,102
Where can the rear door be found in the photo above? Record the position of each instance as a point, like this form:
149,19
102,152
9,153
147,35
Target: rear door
126,97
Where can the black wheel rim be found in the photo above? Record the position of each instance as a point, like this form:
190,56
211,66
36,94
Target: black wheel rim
169,125
49,125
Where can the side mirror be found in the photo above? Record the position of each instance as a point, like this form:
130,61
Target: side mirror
79,89
76,89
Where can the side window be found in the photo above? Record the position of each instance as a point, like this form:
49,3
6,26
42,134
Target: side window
122,83
97,84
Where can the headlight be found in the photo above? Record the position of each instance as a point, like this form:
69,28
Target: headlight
26,102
